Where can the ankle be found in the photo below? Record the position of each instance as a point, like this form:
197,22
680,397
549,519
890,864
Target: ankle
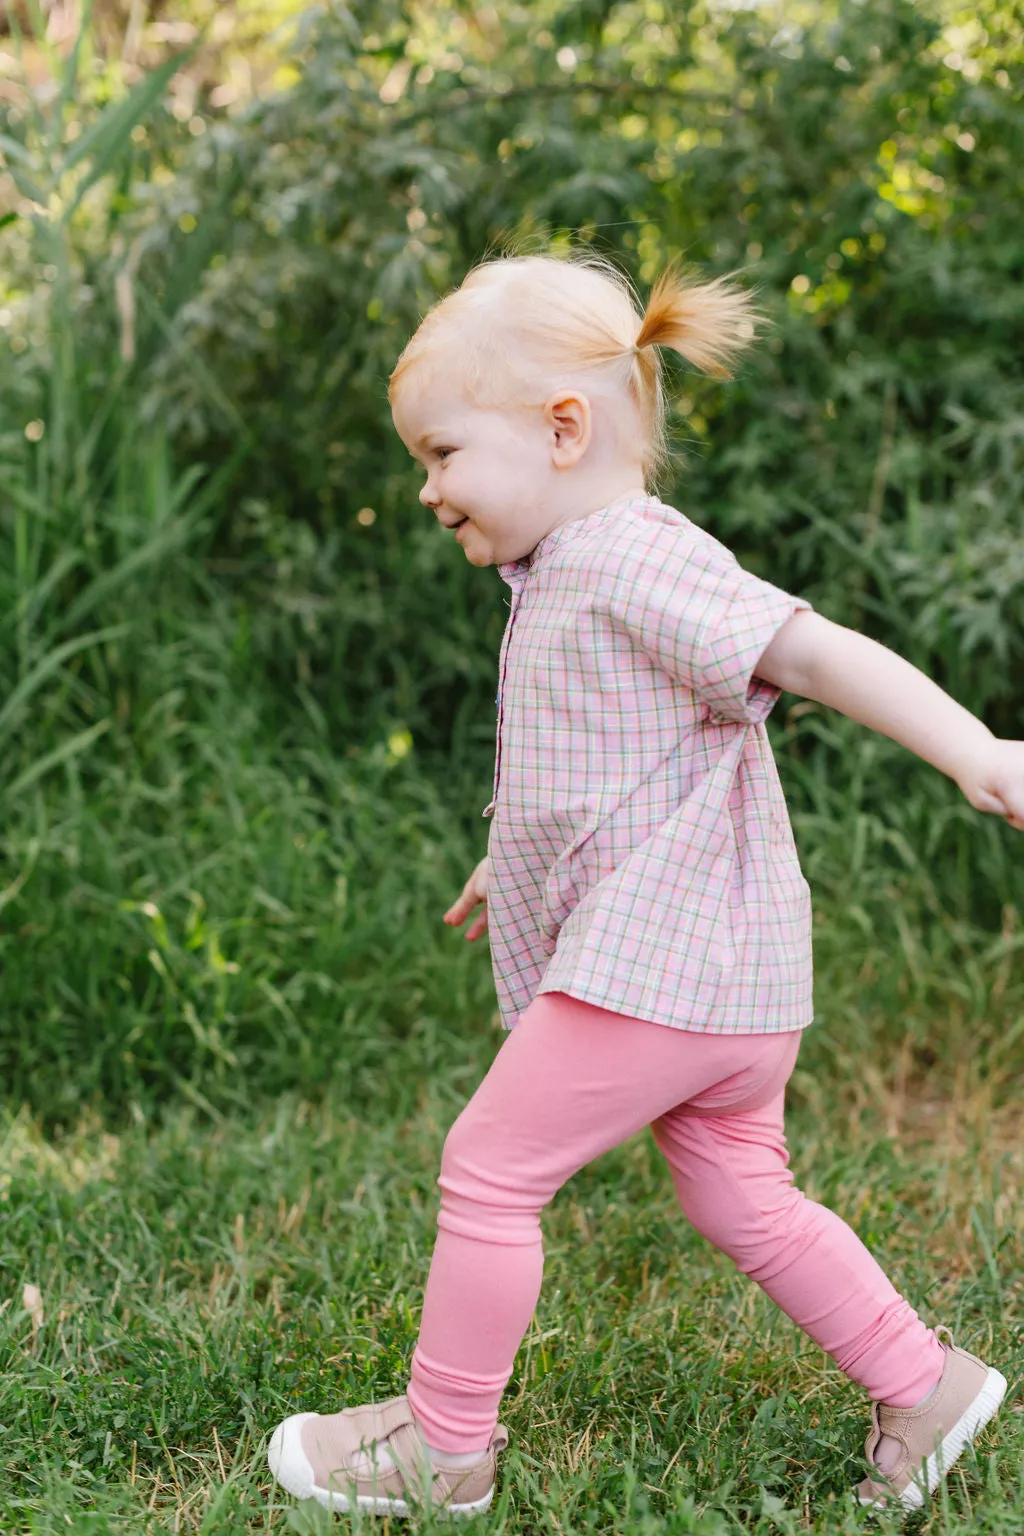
919,1402
450,1458
455,1458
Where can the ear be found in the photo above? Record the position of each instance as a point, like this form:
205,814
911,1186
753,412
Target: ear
568,418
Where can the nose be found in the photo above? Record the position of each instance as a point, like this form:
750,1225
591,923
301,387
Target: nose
428,496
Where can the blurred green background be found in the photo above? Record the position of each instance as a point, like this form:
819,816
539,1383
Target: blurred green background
247,727
247,684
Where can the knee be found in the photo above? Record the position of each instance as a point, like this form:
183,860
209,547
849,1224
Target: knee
735,1187
483,1195
461,1154
754,1227
480,1162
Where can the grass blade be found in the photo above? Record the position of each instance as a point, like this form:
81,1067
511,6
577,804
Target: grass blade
24,609
51,663
69,82
106,139
213,389
70,748
163,542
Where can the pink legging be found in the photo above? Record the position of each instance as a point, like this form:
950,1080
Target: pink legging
570,1082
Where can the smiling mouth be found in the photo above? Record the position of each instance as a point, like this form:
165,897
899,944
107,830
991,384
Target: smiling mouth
459,524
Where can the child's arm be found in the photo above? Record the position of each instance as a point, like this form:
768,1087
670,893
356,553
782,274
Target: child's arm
836,666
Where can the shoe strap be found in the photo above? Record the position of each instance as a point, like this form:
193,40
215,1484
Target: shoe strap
377,1422
411,1456
393,1422
390,1416
874,1438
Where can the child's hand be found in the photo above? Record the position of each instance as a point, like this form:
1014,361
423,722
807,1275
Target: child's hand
994,780
474,890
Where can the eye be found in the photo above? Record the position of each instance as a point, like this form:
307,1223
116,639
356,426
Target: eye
443,452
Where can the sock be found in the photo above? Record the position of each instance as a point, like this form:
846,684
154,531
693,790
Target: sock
456,1458
887,1451
363,1463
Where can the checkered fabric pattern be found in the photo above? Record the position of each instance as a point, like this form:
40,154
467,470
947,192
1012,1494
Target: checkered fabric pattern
641,853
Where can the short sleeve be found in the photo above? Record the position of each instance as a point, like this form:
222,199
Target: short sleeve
690,606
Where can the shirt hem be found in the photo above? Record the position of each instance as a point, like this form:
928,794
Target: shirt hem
735,1026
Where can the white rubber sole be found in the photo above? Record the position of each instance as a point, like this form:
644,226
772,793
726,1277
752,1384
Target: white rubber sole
960,1436
291,1468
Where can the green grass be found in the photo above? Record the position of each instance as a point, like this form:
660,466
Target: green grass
236,1033
202,1277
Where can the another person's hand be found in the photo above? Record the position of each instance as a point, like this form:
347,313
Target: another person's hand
474,891
994,780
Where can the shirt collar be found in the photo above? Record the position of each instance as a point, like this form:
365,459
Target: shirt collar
515,572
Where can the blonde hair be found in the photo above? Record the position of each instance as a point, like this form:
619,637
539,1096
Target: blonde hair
520,326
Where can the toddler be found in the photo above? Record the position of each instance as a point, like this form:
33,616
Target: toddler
649,924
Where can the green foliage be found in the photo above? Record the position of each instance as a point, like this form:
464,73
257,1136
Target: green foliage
217,585
856,175
870,455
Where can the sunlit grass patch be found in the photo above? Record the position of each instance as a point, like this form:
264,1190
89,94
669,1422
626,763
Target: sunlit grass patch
200,1280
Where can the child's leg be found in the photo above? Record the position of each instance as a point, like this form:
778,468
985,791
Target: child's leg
570,1082
732,1178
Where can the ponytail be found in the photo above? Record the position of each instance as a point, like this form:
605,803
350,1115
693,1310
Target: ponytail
707,323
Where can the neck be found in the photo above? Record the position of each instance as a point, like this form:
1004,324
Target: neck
589,492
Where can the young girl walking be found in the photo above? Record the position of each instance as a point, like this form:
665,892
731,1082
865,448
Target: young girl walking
649,924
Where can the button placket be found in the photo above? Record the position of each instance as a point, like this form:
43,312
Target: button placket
502,668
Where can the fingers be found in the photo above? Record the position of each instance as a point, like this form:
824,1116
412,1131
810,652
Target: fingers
999,805
461,908
474,890
457,915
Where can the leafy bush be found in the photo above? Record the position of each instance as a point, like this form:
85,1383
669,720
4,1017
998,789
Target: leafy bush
214,568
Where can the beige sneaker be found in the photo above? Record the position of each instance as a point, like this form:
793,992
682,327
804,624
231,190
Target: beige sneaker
933,1434
312,1455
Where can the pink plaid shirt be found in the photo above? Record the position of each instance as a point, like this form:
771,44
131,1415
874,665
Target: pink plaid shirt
641,854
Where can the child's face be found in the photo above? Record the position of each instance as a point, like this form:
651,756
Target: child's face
493,468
